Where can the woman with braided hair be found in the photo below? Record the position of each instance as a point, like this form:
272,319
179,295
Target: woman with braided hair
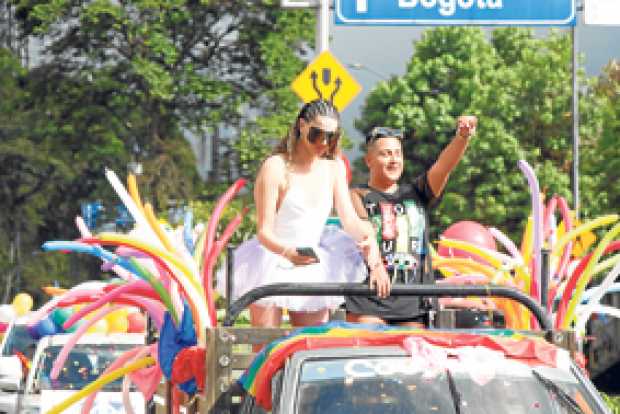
295,190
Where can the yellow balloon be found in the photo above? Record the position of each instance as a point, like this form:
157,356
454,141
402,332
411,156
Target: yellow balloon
100,327
22,303
117,322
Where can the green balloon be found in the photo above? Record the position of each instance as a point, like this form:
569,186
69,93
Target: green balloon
75,326
60,315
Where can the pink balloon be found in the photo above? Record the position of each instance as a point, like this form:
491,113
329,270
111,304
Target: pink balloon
67,347
217,212
72,294
136,323
120,361
154,308
138,286
471,232
211,260
127,383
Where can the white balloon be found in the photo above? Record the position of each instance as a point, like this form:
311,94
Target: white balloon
7,313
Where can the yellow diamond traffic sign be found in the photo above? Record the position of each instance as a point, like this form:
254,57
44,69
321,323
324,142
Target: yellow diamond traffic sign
326,78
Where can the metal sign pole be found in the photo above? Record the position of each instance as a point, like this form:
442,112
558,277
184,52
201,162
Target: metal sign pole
321,41
322,27
575,110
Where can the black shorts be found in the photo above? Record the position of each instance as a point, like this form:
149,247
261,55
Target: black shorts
393,309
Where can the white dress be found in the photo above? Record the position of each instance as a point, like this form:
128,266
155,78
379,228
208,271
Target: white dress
298,225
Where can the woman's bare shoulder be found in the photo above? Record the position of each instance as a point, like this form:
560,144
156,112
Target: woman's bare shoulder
336,166
274,164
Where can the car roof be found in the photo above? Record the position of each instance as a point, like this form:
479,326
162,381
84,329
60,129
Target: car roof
97,339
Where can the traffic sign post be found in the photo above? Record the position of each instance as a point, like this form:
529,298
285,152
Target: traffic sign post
326,78
456,12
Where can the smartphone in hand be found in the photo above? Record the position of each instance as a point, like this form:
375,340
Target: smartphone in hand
307,251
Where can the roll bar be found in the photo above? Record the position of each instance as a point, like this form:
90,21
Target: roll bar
357,289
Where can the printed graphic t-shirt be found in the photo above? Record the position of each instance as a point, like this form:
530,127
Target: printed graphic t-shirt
400,220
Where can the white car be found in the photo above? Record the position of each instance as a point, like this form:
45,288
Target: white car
17,340
86,362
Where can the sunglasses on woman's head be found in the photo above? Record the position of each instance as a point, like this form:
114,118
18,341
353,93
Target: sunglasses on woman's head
316,134
383,132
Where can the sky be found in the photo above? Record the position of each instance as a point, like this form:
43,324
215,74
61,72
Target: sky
385,51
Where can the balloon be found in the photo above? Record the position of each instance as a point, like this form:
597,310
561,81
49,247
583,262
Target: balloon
53,290
572,282
471,232
153,308
117,322
22,303
132,187
100,327
211,259
596,297
99,383
33,331
46,327
190,285
528,171
587,273
136,323
96,325
133,209
73,328
60,315
50,305
7,313
507,243
117,363
217,212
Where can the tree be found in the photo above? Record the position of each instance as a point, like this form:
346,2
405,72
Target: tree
189,65
127,81
602,158
27,170
517,85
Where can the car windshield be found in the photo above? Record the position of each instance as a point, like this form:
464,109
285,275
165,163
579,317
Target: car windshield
19,340
85,363
395,385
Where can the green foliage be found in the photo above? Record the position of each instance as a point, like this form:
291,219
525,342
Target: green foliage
602,157
121,82
613,402
203,210
282,52
518,86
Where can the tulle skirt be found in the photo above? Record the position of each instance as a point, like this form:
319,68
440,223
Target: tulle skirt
254,265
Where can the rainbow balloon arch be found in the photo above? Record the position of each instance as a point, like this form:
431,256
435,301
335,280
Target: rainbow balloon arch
168,275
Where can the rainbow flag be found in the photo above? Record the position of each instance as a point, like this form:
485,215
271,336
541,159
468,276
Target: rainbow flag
257,378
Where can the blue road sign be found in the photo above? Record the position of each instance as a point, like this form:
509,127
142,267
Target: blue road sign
456,12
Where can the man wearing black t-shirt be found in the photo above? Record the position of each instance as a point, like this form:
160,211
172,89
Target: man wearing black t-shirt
399,213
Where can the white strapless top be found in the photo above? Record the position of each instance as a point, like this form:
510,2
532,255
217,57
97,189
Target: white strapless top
301,217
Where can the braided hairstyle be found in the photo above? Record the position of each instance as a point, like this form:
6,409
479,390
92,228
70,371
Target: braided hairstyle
308,113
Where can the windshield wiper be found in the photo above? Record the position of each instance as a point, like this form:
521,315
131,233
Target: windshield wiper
556,390
456,395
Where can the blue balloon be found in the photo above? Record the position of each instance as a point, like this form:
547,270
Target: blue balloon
32,330
46,327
